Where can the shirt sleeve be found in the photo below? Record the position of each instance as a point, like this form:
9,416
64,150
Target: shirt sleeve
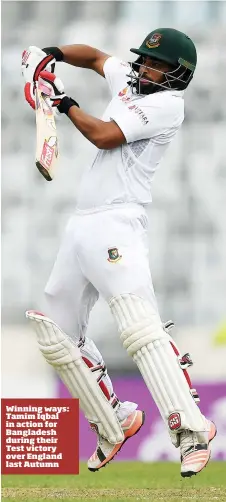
147,118
115,71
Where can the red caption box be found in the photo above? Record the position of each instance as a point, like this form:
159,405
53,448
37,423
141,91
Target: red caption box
40,436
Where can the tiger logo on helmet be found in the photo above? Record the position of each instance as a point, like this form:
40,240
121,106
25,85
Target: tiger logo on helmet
154,41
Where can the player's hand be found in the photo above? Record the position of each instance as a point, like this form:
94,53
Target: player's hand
53,87
34,60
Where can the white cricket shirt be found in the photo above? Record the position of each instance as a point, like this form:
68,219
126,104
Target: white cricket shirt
149,123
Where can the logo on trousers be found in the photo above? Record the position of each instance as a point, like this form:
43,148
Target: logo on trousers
113,255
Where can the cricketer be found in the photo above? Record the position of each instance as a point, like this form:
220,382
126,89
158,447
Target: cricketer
104,250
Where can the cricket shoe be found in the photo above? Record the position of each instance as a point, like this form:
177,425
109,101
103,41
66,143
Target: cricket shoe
195,450
105,451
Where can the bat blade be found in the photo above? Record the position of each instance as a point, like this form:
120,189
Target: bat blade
47,151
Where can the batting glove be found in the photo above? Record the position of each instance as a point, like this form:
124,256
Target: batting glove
35,60
53,87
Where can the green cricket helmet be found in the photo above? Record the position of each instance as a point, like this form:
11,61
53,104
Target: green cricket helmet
172,47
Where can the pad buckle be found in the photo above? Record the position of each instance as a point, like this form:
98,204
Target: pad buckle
195,395
185,361
94,427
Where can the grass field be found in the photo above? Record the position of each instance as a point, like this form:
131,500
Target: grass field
121,481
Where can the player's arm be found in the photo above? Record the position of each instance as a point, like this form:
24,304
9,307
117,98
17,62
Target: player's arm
35,60
84,56
104,135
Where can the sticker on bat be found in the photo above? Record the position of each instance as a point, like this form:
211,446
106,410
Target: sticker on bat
50,148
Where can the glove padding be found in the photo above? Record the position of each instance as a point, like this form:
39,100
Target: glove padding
34,60
53,87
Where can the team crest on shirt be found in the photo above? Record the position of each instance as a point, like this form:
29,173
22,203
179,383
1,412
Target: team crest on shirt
154,41
113,255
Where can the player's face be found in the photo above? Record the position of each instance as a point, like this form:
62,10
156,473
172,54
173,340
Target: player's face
152,70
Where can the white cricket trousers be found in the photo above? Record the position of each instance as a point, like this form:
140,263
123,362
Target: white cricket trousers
103,252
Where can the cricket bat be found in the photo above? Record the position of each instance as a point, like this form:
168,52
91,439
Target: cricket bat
47,152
